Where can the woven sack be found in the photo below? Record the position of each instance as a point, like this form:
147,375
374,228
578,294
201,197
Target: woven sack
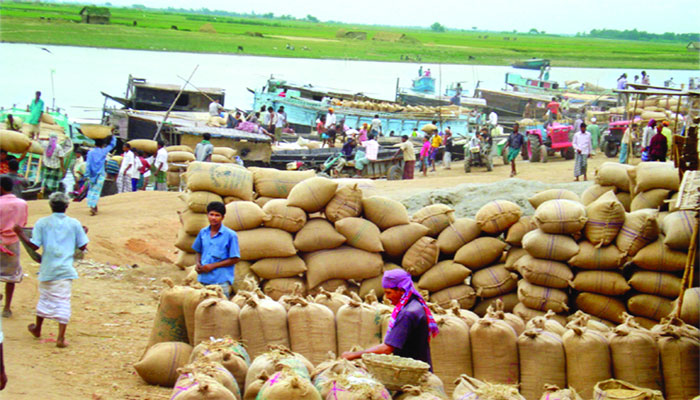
422,255
210,369
513,255
200,386
640,228
593,192
457,234
653,198
360,233
542,298
96,131
463,294
244,277
332,300
480,252
659,257
375,284
284,385
160,363
542,361
243,215
347,202
494,281
169,322
626,199
344,262
184,241
690,309
610,283
146,145
592,257
357,324
275,183
262,200
552,194
279,287
547,273
469,388
680,363
265,242
277,358
650,306
509,301
560,216
656,283
616,389
193,222
435,217
443,274
516,232
398,239
185,260
317,234
311,330
587,359
228,352
263,322
180,147
198,201
552,392
384,212
222,179
216,318
180,157
614,174
497,216
656,175
605,218
450,361
678,229
312,195
549,321
635,356
284,267
495,353
225,151
279,214
548,246
598,305
189,306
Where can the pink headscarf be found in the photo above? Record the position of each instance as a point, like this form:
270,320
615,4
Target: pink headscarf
400,279
52,145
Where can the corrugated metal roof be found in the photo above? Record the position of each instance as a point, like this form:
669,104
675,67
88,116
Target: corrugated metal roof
234,134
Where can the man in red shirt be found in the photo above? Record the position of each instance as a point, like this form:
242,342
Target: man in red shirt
553,108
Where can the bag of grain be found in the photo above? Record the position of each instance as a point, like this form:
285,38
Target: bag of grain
263,322
443,274
332,300
243,277
497,216
650,306
344,262
284,385
410,392
169,322
598,305
457,234
360,233
656,175
626,199
347,202
180,147
185,260
610,283
614,174
640,228
548,273
678,229
216,318
211,369
542,298
422,255
311,330
317,234
197,201
193,222
480,252
312,194
560,216
587,359
680,363
284,267
180,157
189,306
605,218
548,246
509,301
513,255
495,353
494,281
384,212
463,294
265,242
160,363
357,324
653,198
435,217
592,257
690,309
274,183
243,215
450,361
615,389
375,284
398,239
542,362
222,179
549,322
593,192
277,288
279,214
469,388
226,351
552,392
184,241
659,257
201,386
516,232
275,359
552,194
635,356
656,283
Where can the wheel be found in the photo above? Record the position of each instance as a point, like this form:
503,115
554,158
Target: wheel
611,149
603,143
535,145
544,155
395,173
568,153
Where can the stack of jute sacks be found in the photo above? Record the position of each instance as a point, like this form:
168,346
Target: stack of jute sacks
178,155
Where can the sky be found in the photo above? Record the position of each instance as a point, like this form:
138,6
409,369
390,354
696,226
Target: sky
562,16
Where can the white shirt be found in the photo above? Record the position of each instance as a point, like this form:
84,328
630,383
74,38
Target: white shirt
281,120
493,118
376,125
372,147
149,160
134,171
330,120
162,159
269,118
127,161
214,109
646,137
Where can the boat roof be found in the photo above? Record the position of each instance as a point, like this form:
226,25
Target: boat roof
176,88
225,133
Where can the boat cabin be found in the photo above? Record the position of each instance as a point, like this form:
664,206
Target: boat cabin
143,95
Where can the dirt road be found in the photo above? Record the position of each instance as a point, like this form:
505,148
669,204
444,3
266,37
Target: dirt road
115,299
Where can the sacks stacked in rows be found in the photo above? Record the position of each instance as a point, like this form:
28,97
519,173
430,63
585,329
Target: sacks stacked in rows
178,158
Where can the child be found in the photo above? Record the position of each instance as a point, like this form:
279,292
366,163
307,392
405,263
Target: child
425,155
59,235
217,250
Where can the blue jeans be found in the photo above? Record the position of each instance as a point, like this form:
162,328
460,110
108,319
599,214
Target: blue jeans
624,149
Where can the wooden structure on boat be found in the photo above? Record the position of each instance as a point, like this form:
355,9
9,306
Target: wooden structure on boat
253,148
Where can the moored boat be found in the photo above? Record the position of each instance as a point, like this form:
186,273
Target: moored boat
532,63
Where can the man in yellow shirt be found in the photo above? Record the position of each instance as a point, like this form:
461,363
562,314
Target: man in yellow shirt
666,131
435,143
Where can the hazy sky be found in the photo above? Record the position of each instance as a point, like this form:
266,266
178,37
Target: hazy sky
563,16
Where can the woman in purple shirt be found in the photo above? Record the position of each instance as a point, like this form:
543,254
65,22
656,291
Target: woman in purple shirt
411,325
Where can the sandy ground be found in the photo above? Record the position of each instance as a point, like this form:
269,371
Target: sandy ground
115,299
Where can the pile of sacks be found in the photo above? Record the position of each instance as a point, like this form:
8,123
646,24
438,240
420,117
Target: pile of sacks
182,155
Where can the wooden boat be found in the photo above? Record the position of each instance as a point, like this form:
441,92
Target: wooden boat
512,103
533,63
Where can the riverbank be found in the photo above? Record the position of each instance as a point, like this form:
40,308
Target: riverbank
163,31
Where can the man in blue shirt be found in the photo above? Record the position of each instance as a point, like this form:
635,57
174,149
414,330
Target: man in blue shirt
95,171
59,235
217,250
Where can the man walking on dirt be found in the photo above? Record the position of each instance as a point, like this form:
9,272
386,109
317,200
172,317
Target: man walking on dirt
13,211
513,145
409,157
583,147
36,109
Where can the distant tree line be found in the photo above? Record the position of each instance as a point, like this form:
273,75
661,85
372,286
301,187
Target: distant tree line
641,35
206,11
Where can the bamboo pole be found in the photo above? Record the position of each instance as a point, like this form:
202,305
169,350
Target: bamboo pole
160,126
687,280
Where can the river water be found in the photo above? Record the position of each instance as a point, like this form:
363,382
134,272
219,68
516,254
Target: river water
74,76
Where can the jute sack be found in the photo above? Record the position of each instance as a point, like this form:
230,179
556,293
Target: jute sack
279,267
211,369
443,274
467,316
653,198
626,199
542,361
384,212
311,330
549,321
497,311
679,362
516,232
542,298
548,246
635,356
497,216
317,234
509,301
690,309
450,361
678,229
172,178
513,255
610,283
584,320
656,175
552,392
265,242
344,262
672,202
179,147
284,385
198,201
656,283
332,300
435,217
243,215
274,183
312,195
279,214
470,388
185,260
216,318
593,192
222,179
94,131
244,277
422,255
614,389
650,306
463,294
169,322
263,322
184,241
193,222
231,199
191,301
360,233
375,284
277,358
494,281
225,151
640,228
457,234
357,324
659,257
347,202
547,273
410,392
480,252
529,314
598,305
180,157
592,257
336,285
278,288
200,386
587,359
614,174
396,240
146,145
160,363
552,194
262,200
560,216
495,353
605,218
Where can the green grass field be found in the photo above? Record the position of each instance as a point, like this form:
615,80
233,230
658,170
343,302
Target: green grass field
60,24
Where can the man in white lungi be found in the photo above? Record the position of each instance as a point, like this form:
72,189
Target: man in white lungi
59,235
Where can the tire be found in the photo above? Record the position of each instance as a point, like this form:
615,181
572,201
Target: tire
568,153
535,146
544,156
611,149
395,173
603,143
